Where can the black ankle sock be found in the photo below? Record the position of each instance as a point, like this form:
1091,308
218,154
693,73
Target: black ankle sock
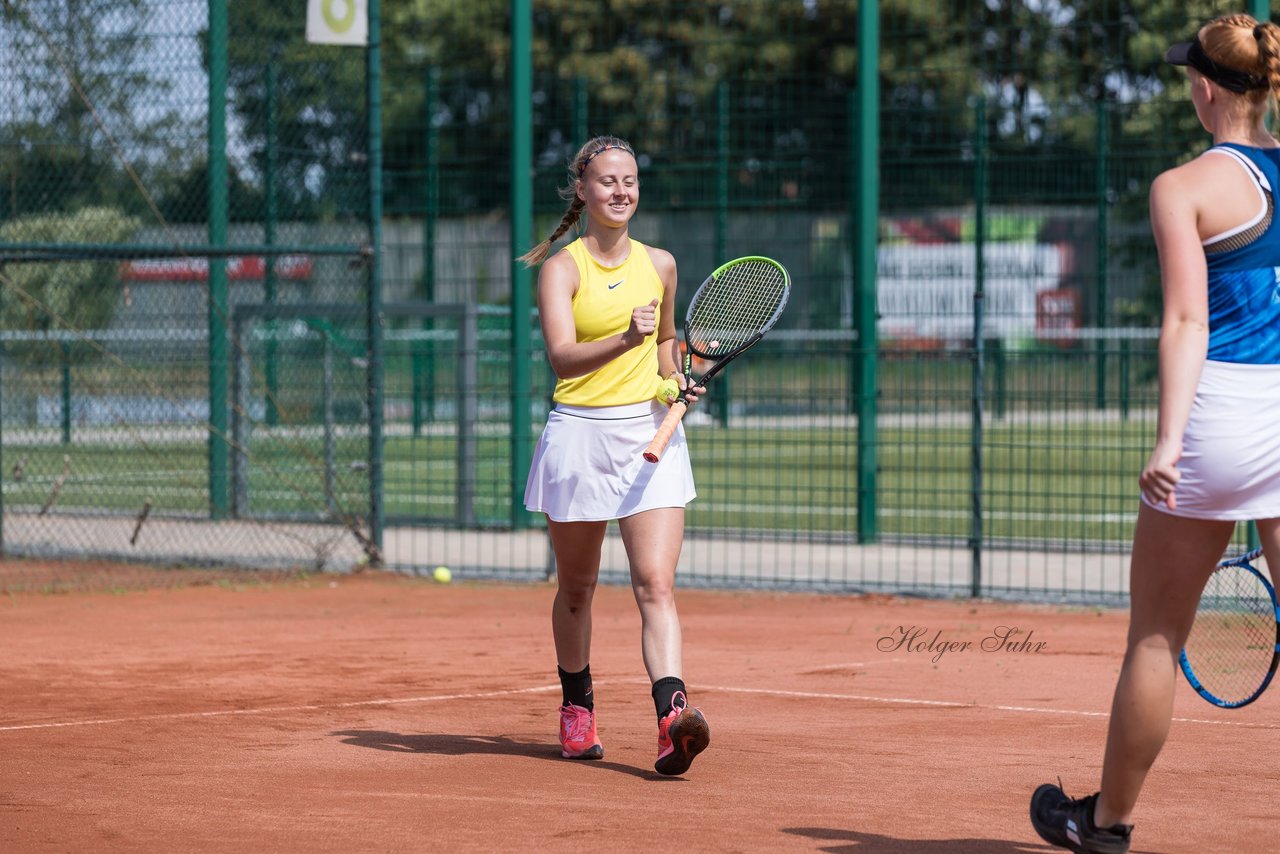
576,687
663,692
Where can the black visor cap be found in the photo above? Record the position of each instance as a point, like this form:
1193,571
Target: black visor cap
1192,54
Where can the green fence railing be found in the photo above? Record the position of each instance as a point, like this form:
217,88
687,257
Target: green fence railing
232,261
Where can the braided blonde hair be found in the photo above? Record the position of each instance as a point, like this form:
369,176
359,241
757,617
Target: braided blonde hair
1246,44
577,167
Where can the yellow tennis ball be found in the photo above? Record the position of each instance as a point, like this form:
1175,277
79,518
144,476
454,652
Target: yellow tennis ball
668,391
442,574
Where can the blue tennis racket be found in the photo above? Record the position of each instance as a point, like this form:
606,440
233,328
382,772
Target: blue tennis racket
1234,645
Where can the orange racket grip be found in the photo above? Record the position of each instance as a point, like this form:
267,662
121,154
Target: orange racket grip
665,431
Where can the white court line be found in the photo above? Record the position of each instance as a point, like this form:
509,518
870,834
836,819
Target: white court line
847,664
270,709
542,689
953,704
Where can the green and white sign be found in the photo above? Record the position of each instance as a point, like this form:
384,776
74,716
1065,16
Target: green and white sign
337,22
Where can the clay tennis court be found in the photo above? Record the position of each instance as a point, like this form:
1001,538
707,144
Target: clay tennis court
383,713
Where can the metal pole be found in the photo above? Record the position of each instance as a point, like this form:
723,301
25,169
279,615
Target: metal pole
2,358
868,223
979,299
1124,379
468,380
854,195
241,423
219,450
1260,9
1100,284
423,355
521,236
326,409
269,233
721,396
66,392
373,309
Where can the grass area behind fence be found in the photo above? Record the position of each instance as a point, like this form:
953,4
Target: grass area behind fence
1043,480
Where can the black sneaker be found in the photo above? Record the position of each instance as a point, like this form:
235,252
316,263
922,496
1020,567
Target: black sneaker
1068,823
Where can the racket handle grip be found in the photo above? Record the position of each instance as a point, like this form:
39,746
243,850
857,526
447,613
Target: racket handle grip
665,431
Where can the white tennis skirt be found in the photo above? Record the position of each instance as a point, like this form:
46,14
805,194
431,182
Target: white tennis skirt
1230,465
589,464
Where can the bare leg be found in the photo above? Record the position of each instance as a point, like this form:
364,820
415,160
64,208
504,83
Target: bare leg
1172,558
1269,535
653,540
577,547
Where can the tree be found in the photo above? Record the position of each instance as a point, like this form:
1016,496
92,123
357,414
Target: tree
70,294
303,104
184,197
77,76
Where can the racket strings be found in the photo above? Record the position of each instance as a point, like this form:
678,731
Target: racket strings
1233,640
740,303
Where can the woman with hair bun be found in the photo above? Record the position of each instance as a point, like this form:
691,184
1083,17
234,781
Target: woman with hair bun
1216,459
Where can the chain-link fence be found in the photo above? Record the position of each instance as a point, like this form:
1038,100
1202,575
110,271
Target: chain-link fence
189,372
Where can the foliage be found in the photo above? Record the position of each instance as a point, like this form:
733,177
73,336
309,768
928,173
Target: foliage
63,295
76,92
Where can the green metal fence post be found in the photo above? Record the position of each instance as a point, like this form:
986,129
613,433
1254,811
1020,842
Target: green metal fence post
219,447
979,318
721,396
1124,379
1100,285
521,236
998,367
2,357
373,309
65,351
865,261
269,234
423,357
853,371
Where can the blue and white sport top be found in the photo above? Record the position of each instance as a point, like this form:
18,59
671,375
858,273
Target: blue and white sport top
1244,270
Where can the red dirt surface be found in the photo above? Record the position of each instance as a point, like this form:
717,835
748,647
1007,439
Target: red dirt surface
382,713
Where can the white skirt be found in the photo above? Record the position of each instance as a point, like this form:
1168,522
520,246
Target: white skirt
588,465
1230,465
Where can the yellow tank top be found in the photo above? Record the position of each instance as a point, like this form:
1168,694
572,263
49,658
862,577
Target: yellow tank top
602,308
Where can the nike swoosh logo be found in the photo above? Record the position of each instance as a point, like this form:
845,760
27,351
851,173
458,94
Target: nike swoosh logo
615,284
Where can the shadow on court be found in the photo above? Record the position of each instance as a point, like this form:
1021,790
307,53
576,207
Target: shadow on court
443,744
855,842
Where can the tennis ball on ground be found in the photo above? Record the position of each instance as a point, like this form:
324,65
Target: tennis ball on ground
668,391
442,574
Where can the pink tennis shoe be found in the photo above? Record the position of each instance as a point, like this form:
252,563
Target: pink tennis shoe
683,733
578,738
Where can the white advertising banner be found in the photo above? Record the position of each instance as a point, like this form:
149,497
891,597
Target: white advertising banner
926,290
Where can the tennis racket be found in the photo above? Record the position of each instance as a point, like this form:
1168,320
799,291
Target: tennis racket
730,312
1231,653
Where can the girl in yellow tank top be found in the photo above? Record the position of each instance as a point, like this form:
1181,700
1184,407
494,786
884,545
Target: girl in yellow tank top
607,306
602,308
